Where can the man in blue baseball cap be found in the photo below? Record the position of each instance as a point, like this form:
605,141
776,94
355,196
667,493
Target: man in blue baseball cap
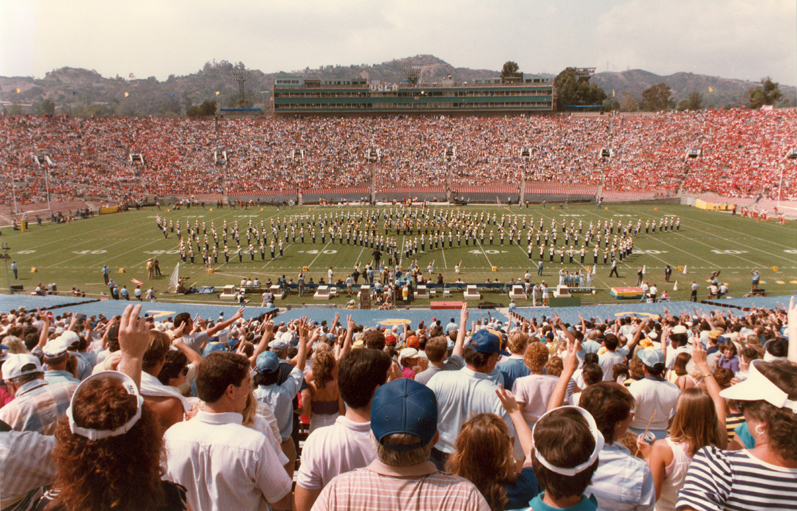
462,394
404,423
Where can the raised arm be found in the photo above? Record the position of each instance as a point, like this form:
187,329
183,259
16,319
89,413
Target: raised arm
134,340
267,337
570,363
218,327
463,319
524,433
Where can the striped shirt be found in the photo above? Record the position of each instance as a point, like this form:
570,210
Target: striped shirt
381,487
38,406
27,464
719,480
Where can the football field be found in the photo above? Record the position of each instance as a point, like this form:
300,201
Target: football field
72,255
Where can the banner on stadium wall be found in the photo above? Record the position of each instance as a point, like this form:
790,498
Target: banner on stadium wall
108,210
701,204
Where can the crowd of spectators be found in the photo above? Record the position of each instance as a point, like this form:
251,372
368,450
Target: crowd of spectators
742,151
689,412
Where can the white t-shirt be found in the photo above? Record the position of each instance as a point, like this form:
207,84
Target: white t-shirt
333,450
653,394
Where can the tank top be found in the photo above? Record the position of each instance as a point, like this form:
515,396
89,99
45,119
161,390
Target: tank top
675,476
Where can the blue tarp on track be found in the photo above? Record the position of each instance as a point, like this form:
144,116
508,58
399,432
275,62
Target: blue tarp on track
629,308
768,302
160,310
31,302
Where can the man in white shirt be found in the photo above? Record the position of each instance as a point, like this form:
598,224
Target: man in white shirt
196,340
347,444
613,355
461,394
221,463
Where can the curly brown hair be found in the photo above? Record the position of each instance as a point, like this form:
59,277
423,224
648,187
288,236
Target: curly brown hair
536,356
323,365
120,473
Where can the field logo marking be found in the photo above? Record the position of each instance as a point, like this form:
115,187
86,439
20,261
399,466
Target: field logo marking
23,252
391,322
87,252
646,314
730,252
160,314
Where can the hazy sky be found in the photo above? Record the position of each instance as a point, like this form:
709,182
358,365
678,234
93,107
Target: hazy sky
745,39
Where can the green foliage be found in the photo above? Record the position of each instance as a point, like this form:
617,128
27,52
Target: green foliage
510,73
629,103
46,107
656,98
693,102
206,109
574,90
768,93
611,104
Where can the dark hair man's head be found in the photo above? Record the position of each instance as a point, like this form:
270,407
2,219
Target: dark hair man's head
360,373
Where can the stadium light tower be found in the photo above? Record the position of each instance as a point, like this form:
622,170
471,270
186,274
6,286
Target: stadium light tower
412,74
525,155
241,76
373,155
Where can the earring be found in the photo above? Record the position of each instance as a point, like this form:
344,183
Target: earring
760,429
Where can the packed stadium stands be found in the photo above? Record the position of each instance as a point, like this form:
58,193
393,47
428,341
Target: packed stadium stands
741,154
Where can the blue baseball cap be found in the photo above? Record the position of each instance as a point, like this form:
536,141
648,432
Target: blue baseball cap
404,406
267,362
213,347
488,342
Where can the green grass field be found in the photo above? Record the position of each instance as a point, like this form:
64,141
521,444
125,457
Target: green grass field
72,255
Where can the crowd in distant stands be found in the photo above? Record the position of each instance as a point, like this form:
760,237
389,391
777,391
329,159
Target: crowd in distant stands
685,412
742,151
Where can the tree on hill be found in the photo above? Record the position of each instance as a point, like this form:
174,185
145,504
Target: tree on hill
574,89
768,93
656,98
693,102
510,72
206,109
629,103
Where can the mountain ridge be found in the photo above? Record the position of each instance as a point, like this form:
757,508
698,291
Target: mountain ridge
81,91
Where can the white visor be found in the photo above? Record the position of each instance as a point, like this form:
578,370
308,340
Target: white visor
758,388
596,434
95,434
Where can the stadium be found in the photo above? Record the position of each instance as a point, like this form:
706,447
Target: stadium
448,223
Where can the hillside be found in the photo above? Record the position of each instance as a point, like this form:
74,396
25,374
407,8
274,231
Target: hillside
725,91
86,92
